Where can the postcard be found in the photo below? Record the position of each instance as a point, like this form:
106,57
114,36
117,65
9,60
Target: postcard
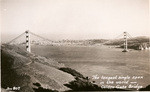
75,45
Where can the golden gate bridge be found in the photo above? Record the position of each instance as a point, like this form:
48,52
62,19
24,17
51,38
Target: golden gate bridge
28,34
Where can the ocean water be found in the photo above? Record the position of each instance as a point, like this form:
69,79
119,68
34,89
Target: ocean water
101,61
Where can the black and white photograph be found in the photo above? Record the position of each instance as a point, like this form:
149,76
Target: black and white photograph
74,45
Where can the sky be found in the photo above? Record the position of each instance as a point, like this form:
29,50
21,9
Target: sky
74,19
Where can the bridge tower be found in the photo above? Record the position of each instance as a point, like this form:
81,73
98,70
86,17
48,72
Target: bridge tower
28,46
125,42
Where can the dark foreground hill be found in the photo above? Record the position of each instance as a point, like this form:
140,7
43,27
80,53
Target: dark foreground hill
22,69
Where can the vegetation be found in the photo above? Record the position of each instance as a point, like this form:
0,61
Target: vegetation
72,72
145,89
41,89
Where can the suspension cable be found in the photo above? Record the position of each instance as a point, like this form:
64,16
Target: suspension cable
40,37
15,38
118,36
129,35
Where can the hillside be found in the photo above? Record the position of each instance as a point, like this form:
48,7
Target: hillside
22,69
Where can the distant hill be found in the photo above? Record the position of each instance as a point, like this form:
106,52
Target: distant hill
133,43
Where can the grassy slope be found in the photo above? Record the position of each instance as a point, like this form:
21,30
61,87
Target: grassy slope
19,68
